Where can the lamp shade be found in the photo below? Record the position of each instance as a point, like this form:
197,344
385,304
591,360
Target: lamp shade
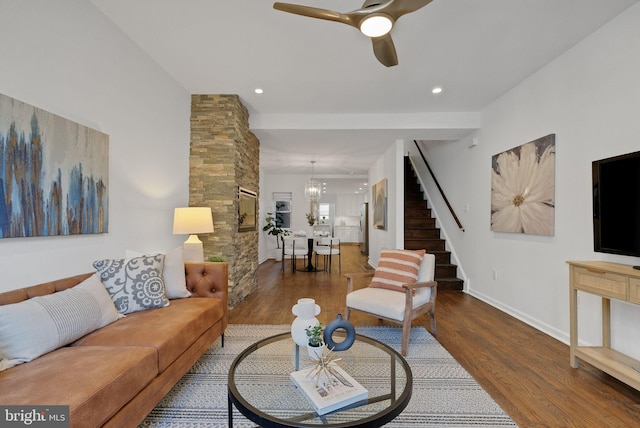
192,220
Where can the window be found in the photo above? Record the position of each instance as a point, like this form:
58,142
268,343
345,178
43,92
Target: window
323,214
282,202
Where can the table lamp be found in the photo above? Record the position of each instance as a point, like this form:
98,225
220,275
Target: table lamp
191,221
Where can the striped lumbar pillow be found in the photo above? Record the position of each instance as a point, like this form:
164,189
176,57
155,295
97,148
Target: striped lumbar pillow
397,267
33,327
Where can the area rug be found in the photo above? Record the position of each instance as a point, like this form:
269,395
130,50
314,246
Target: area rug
444,394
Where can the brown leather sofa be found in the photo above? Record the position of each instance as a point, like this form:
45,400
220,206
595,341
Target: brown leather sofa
116,375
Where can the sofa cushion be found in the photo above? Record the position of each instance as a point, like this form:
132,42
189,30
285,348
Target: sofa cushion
95,382
39,325
397,267
173,272
135,284
169,330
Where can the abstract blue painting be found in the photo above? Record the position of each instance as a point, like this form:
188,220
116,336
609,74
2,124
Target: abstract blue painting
54,174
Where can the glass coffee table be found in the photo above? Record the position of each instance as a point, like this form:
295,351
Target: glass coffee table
260,386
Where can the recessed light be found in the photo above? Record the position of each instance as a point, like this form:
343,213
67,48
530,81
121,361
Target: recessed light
436,90
258,91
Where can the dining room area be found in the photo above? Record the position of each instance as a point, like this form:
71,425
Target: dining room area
312,221
316,250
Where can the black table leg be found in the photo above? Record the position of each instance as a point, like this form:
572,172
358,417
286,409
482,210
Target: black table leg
310,267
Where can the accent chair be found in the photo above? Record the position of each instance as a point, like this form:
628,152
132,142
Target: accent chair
401,290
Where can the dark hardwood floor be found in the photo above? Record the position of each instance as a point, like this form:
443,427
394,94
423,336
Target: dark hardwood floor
526,372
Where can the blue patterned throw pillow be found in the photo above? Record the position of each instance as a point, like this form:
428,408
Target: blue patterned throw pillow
134,284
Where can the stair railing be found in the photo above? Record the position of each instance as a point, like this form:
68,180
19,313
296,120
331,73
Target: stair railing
435,180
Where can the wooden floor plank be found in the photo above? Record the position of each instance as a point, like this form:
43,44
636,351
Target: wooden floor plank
526,371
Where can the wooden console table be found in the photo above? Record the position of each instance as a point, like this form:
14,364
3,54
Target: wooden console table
609,281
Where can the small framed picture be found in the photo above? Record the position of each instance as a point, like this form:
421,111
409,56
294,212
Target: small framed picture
247,210
379,193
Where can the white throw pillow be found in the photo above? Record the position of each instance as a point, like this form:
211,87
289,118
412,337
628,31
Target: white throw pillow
33,327
175,282
135,284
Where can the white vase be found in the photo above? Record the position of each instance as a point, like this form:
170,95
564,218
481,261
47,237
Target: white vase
305,312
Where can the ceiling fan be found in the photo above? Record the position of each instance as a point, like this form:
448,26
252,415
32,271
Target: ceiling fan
374,19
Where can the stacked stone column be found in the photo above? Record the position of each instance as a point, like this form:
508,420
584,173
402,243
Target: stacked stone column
224,156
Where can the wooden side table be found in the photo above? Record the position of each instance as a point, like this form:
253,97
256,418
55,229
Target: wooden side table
609,281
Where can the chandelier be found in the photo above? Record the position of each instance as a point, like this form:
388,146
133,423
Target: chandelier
312,187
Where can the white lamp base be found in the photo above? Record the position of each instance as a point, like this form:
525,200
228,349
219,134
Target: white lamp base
192,249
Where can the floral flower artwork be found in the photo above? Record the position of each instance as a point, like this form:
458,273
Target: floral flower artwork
523,188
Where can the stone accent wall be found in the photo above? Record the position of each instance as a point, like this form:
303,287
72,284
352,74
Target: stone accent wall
225,155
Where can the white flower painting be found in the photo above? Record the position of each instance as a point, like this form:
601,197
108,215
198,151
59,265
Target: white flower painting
523,188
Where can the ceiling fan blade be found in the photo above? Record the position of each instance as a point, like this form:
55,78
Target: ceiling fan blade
383,47
385,50
397,8
314,12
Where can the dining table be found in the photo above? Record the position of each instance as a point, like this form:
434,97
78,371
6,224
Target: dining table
311,241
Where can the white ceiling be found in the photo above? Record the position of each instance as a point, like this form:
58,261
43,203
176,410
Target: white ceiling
326,97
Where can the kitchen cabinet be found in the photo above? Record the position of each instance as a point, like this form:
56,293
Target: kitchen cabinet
348,205
347,233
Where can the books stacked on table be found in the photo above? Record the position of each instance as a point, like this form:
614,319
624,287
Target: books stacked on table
329,390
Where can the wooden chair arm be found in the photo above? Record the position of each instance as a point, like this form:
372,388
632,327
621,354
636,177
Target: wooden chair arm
351,276
410,289
420,284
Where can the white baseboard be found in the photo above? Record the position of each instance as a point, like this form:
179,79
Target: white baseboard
562,336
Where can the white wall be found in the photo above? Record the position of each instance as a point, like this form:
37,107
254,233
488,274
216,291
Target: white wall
389,166
67,58
590,98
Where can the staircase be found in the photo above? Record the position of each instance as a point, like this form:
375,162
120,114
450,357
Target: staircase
420,231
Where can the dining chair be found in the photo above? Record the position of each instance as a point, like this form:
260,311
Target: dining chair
294,247
329,247
401,290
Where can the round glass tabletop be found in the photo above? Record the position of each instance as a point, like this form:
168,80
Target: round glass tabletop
261,387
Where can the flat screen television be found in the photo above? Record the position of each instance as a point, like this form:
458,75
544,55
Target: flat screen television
616,205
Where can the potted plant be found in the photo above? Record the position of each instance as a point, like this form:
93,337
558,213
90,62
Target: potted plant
311,219
272,228
315,342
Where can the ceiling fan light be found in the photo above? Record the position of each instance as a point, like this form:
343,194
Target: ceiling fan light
376,25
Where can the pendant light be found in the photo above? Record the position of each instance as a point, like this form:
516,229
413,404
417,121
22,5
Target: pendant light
312,189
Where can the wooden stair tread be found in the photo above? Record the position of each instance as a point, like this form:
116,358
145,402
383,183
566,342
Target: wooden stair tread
421,232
